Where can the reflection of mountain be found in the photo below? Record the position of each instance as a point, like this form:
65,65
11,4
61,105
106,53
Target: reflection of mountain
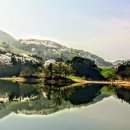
85,94
50,100
9,91
124,94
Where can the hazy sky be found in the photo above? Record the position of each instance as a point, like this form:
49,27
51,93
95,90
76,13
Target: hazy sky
99,26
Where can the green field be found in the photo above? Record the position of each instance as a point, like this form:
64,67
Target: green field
108,72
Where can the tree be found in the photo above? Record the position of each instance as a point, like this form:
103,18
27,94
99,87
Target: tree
13,60
57,69
123,70
85,68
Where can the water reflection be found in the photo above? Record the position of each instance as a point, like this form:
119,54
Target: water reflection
81,95
16,92
124,94
47,99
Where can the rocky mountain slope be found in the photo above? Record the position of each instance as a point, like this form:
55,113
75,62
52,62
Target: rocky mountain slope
52,50
48,49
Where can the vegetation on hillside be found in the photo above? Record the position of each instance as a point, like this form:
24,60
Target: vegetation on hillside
13,49
85,68
123,70
109,73
75,67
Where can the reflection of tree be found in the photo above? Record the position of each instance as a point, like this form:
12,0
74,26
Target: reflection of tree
28,90
54,94
77,95
57,97
11,96
15,91
48,92
82,95
124,94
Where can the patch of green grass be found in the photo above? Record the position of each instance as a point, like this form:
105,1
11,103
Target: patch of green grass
73,77
108,72
18,51
15,50
109,89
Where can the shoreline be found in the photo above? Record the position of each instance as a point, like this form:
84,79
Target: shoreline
16,79
116,82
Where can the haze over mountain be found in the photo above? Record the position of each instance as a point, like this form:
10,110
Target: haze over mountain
48,49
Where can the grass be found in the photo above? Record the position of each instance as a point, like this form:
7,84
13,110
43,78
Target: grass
108,72
108,89
18,51
15,50
76,78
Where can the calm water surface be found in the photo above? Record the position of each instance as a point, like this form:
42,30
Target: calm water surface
41,107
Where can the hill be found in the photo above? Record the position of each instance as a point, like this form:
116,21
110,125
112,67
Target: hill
120,61
52,50
49,49
7,38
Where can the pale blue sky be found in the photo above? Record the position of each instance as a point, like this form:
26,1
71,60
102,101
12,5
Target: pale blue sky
99,26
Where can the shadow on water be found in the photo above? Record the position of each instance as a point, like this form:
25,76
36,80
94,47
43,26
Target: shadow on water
46,99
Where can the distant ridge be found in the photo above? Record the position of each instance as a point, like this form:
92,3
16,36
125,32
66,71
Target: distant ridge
119,61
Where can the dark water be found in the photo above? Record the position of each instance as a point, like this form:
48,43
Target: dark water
42,107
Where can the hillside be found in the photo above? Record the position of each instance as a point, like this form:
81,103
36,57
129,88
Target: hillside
123,70
52,50
11,64
49,49
7,38
119,61
14,49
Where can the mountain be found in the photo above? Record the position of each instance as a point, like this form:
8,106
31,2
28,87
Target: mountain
7,38
119,61
52,50
48,49
4,37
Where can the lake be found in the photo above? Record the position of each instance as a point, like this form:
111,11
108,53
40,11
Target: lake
45,107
